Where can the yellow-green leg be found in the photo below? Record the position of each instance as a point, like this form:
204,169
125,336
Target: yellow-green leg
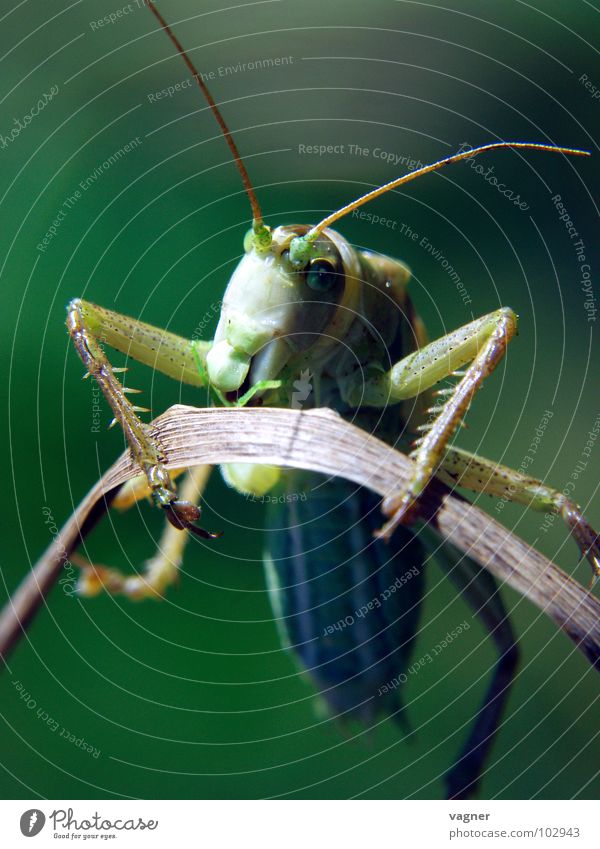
90,326
162,570
461,468
482,343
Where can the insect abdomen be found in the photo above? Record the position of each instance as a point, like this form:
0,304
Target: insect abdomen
348,604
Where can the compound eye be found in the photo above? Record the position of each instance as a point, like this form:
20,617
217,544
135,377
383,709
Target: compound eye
321,275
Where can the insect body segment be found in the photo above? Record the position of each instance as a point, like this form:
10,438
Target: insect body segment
347,604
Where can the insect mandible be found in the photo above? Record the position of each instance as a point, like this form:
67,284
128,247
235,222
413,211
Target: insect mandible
305,305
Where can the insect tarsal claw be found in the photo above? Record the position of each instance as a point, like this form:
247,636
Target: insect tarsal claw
183,514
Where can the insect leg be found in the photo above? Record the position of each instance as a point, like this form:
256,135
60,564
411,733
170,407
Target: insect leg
89,326
136,489
461,468
166,352
479,588
482,343
160,571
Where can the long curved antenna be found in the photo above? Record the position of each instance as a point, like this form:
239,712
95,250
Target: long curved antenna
257,219
301,247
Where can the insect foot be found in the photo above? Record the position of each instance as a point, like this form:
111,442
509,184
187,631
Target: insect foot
180,513
183,514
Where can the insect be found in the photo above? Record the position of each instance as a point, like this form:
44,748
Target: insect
307,318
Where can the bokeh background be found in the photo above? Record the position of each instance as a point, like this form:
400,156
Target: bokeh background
193,697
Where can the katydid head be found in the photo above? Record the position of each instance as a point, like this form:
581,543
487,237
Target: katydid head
273,310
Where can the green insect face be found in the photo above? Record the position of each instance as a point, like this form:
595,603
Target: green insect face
272,310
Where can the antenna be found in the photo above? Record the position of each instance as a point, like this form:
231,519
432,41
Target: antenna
261,231
301,247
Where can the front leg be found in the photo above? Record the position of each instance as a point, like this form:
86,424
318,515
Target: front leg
173,355
482,343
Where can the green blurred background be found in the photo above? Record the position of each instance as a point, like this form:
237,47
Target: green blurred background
193,697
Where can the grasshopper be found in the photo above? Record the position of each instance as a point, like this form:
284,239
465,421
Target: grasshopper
308,316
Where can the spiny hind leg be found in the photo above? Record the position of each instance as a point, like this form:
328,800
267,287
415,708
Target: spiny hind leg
461,468
482,343
88,326
162,570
